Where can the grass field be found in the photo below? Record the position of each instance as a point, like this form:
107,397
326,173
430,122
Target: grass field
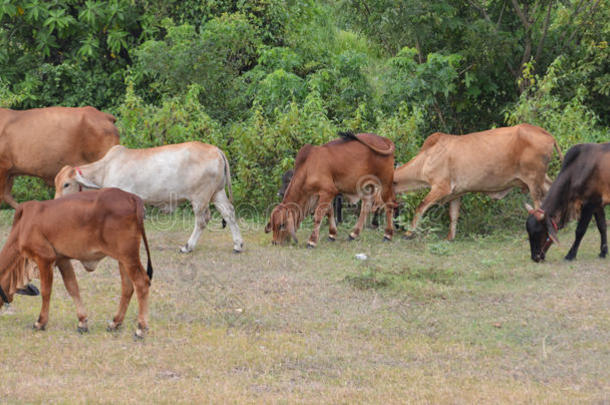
422,321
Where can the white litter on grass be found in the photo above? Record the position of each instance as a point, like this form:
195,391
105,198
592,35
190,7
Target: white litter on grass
361,256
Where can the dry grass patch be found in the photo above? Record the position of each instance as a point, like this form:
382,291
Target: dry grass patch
419,321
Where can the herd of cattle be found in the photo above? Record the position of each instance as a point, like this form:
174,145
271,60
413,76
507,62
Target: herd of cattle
101,188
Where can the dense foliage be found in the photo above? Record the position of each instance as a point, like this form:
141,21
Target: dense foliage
261,78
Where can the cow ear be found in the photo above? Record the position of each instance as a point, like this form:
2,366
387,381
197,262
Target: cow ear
268,227
84,182
292,226
552,232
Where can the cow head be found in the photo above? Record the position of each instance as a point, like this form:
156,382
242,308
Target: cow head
70,180
283,222
542,232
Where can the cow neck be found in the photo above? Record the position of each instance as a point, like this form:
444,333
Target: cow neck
556,204
294,195
94,172
411,175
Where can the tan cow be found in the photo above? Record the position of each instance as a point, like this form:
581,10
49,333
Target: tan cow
40,141
87,226
163,176
491,162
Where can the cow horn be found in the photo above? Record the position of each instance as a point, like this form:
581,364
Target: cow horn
536,212
84,182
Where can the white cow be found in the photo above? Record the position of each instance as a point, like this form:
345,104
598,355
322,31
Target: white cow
163,176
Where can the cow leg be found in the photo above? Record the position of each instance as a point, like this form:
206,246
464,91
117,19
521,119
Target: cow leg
202,216
126,293
332,225
454,214
339,208
223,204
600,219
6,185
67,274
585,217
324,205
375,221
390,205
547,184
46,285
435,195
136,275
365,208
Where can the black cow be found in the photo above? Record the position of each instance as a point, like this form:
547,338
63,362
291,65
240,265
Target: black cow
583,184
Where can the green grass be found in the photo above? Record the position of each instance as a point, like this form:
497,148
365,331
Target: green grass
471,321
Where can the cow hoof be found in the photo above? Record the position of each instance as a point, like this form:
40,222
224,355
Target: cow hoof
311,245
409,235
185,249
387,239
138,334
29,289
38,326
331,239
82,329
351,237
569,257
113,327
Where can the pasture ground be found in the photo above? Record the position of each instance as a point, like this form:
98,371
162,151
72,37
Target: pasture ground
472,321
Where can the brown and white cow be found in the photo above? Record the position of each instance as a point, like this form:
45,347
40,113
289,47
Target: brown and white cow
491,162
40,141
163,176
358,166
87,227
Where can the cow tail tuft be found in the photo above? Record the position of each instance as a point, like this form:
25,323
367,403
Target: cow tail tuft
140,219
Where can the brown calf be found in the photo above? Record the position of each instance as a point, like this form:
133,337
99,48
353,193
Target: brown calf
491,162
86,226
358,166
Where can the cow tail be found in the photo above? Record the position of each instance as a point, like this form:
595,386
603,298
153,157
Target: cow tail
558,150
140,219
227,175
227,181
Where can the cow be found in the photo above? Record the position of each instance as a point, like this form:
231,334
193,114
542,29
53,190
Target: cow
163,176
490,162
40,141
583,184
337,203
87,226
360,166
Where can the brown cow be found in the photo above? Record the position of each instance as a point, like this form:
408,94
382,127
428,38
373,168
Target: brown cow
86,226
491,162
40,141
358,166
583,184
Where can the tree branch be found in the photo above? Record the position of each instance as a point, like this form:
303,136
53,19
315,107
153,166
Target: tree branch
544,31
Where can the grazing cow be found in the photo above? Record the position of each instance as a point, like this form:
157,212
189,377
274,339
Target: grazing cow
491,162
40,141
163,176
337,203
87,226
358,166
583,184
